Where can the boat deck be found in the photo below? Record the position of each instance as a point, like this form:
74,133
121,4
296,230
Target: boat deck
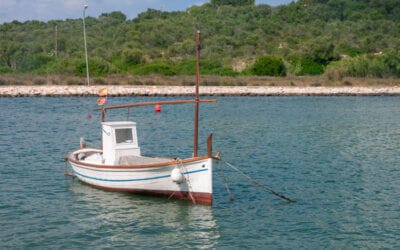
141,160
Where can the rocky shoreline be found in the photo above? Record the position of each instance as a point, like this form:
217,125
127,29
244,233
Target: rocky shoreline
132,90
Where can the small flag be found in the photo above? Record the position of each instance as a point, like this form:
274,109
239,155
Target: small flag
102,100
103,92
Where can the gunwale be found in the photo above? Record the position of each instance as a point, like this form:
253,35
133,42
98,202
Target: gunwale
71,159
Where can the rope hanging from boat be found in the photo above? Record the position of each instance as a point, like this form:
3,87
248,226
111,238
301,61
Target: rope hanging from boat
183,170
259,184
226,184
187,178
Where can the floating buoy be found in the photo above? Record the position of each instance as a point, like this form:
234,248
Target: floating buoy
157,108
89,116
177,176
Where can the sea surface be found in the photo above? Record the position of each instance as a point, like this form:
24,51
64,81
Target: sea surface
338,157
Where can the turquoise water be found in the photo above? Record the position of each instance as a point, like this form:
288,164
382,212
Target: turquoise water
338,157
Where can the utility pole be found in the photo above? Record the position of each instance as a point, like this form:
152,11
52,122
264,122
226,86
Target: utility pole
84,39
55,41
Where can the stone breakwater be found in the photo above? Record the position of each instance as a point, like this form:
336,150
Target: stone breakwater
20,91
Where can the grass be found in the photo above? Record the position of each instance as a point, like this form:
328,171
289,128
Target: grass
298,81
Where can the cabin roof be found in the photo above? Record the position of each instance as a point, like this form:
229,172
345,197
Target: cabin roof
119,124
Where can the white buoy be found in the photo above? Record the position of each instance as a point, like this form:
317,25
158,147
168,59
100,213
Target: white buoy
177,176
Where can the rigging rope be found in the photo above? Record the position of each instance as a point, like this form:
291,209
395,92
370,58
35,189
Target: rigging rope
259,184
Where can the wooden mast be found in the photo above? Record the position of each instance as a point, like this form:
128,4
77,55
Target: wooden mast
196,101
196,107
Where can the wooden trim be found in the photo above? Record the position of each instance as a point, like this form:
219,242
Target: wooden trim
139,104
209,146
153,165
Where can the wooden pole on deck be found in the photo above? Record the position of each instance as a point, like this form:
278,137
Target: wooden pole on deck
196,107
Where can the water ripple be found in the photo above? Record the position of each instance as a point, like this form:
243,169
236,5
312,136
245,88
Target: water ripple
336,156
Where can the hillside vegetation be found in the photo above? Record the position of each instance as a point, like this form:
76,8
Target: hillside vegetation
338,38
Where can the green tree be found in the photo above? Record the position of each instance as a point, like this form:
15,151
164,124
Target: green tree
315,32
232,2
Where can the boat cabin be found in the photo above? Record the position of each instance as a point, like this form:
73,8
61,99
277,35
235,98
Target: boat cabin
119,141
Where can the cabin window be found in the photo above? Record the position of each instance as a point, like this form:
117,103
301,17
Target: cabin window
123,135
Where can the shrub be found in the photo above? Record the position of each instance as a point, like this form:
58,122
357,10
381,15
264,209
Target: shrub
185,67
304,66
159,68
5,70
223,71
310,67
385,65
336,70
32,62
97,67
207,67
269,66
132,57
59,66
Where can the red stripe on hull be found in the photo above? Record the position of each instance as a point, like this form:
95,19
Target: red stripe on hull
194,197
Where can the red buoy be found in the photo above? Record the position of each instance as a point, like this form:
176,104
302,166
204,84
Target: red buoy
89,116
157,108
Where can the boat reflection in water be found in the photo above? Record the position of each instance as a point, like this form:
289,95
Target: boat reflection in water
120,219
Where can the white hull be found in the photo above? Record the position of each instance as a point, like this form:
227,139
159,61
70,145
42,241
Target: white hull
154,178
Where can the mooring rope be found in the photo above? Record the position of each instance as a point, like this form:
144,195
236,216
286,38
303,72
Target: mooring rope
226,184
259,184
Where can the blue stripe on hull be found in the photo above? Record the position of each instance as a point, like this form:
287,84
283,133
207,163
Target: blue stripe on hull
138,179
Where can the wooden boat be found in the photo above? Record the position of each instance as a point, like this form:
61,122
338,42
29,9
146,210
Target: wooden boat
119,165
